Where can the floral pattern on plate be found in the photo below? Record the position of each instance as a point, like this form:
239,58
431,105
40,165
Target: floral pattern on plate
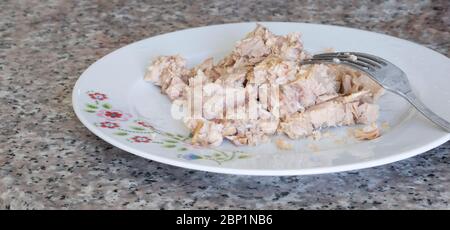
139,131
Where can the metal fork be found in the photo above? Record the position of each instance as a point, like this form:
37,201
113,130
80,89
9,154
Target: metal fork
384,73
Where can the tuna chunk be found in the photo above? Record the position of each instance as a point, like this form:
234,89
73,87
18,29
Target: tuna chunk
353,81
168,72
204,132
314,84
287,47
274,70
348,110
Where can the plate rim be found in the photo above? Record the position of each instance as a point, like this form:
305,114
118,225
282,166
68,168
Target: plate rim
252,172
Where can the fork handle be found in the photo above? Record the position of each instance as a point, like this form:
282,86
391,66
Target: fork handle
427,112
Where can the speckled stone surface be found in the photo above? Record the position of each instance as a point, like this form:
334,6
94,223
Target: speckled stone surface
48,160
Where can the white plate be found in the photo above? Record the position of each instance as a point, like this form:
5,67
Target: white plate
135,116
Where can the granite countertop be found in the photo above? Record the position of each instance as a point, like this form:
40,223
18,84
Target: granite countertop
49,160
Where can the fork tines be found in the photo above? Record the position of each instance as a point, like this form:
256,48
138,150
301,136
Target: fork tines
355,59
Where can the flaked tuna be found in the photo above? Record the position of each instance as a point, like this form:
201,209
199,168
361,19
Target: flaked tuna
261,89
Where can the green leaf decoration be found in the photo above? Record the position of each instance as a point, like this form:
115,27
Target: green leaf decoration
121,133
169,146
90,111
244,156
180,136
137,128
169,134
182,149
171,141
107,106
91,106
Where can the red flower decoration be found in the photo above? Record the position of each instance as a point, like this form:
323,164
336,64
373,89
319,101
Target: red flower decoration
109,125
98,96
145,124
113,114
141,139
